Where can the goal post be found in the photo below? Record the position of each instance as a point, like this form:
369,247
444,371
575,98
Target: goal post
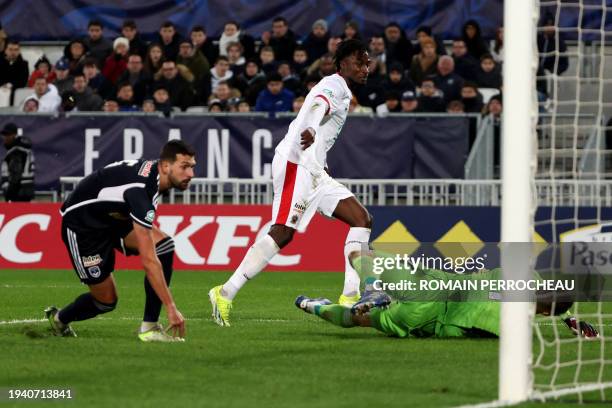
518,201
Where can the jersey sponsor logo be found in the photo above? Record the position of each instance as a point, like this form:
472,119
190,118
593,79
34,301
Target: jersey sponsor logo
150,216
92,260
145,169
94,271
300,207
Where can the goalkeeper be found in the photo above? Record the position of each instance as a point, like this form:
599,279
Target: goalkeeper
445,313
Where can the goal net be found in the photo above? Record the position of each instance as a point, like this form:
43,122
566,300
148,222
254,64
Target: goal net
557,103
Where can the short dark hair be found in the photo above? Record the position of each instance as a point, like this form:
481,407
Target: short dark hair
89,61
198,28
173,148
12,41
280,19
274,77
347,48
221,58
485,56
123,84
167,24
96,23
129,24
234,22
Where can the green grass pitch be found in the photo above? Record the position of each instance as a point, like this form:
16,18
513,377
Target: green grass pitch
274,355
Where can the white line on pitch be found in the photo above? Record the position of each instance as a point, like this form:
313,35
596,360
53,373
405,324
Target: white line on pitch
192,319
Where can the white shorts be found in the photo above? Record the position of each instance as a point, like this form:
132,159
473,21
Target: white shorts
298,194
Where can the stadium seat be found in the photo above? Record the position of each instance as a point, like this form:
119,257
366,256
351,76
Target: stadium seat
197,109
20,96
487,94
31,54
5,97
54,55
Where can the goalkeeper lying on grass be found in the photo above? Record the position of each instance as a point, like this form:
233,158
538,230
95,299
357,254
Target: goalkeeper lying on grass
426,313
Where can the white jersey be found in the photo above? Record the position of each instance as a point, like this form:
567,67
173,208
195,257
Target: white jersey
335,93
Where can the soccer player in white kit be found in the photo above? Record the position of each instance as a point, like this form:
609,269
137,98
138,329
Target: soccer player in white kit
301,182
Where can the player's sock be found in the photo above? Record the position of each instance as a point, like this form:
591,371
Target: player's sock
84,307
356,239
335,314
255,260
165,252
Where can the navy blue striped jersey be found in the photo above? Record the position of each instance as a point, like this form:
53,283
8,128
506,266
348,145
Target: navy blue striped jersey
115,196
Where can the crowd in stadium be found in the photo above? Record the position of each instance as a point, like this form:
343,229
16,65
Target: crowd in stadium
273,74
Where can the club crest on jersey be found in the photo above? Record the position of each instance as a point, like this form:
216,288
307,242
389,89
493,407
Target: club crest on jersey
328,92
145,169
294,219
92,260
94,271
150,216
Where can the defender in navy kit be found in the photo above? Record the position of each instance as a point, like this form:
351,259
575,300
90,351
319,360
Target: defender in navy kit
113,209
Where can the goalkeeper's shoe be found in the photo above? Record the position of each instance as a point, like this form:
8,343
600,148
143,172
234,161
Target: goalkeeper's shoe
159,335
221,306
348,301
582,328
308,304
58,328
371,300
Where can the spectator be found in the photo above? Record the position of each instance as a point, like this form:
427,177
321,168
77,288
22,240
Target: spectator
136,76
42,68
74,53
233,34
169,40
316,42
251,82
355,107
125,98
243,106
498,48
471,98
116,63
550,58
31,105
351,31
68,101
425,32
299,64
398,47
466,66
13,68
95,80
332,44
430,99
447,81
148,106
290,80
232,104
3,38
372,94
98,47
311,81
17,166
396,80
410,103
489,74
297,104
268,62
197,63
110,105
391,105
85,99
200,41
235,58
180,90
161,99
282,39
494,107
274,98
224,93
455,107
220,72
377,50
476,45
63,81
323,67
46,94
424,65
154,59
215,106
129,30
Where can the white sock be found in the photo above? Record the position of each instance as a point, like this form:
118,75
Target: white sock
356,240
255,260
146,326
